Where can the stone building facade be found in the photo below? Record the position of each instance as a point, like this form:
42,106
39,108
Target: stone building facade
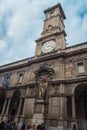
50,87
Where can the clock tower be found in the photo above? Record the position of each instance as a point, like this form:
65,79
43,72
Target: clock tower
53,35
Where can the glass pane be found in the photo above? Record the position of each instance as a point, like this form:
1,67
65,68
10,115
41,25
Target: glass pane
81,68
20,78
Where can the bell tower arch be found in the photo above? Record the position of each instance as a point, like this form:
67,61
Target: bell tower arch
54,20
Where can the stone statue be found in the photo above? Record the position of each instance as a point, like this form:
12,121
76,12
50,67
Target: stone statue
42,93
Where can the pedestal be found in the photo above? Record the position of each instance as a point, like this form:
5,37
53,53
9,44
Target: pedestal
60,128
38,117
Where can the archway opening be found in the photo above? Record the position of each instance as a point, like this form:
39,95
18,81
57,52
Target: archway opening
14,105
81,105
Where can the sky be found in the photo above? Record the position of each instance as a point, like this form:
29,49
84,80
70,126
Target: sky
21,23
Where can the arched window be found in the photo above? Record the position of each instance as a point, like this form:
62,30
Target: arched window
14,104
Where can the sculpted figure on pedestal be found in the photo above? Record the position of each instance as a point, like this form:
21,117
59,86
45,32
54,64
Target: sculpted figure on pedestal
42,93
43,76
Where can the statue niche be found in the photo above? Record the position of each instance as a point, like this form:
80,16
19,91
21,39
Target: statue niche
43,77
42,86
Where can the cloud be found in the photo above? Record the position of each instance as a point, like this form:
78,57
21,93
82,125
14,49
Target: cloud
76,28
21,23
2,45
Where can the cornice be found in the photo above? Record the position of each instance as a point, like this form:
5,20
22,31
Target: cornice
55,82
50,35
45,57
61,95
75,52
55,6
70,81
21,86
76,45
40,58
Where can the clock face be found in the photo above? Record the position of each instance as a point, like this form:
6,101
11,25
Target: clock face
48,46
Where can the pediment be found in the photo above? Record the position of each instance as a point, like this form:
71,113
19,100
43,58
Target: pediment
44,70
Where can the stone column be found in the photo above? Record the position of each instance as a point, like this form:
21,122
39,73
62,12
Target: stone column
1,116
60,121
65,106
61,107
23,113
3,110
4,107
6,113
9,101
73,108
25,101
19,108
61,100
74,121
24,105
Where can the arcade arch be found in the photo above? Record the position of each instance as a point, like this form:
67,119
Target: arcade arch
14,105
81,105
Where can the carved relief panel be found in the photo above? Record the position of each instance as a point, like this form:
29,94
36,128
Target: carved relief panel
54,103
43,76
53,89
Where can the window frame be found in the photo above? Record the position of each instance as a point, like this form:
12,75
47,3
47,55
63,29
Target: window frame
5,81
77,67
52,13
19,76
